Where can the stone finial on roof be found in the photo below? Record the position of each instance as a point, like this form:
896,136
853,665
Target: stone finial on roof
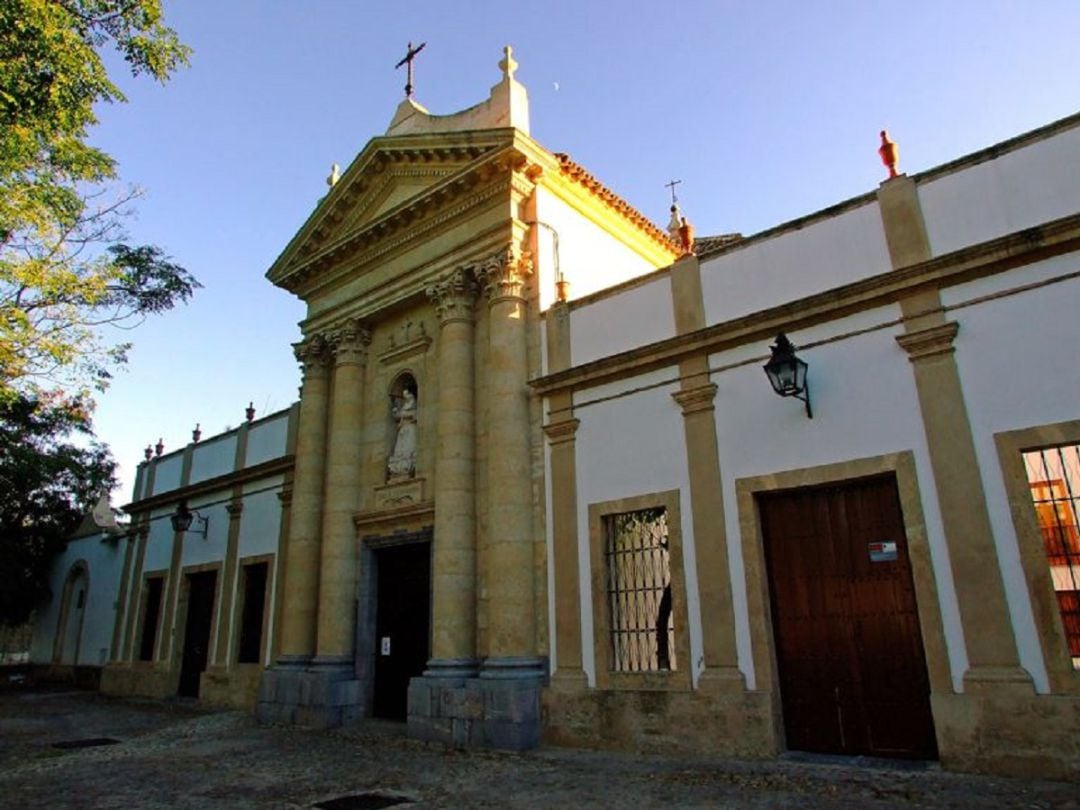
507,64
335,175
674,223
889,153
686,236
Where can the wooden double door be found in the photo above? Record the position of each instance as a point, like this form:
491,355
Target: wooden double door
849,651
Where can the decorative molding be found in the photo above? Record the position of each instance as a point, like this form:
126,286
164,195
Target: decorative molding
313,354
285,496
503,274
696,399
562,432
396,352
978,261
234,508
454,295
350,342
399,493
929,342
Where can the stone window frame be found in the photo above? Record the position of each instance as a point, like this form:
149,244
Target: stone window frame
675,680
1011,445
180,614
144,597
238,610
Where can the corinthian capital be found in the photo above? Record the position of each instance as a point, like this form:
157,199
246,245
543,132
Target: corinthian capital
313,354
350,342
503,275
453,296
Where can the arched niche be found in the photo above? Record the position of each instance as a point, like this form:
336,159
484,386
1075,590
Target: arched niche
72,612
402,412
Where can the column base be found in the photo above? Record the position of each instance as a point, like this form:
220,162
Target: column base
457,669
993,680
500,709
318,693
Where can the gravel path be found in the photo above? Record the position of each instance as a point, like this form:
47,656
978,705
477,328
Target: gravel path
175,755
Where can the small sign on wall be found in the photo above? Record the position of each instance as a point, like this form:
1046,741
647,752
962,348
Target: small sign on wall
882,551
385,647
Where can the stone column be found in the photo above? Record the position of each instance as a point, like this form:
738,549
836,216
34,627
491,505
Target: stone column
453,647
302,551
337,576
512,623
284,692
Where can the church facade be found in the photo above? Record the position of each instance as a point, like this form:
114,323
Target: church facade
537,487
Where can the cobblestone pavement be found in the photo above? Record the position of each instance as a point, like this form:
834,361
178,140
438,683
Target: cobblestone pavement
175,755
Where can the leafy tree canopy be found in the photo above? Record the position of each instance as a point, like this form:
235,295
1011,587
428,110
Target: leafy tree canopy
64,268
47,483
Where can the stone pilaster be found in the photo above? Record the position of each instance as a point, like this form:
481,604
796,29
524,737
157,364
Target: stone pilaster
453,646
993,660
561,431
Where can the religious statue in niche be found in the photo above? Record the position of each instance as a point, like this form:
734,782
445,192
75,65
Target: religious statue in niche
402,461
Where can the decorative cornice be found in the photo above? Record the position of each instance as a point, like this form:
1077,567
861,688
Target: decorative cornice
929,342
977,261
503,274
696,399
562,432
282,464
454,295
350,343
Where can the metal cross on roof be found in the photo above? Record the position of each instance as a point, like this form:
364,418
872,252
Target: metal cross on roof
408,60
671,185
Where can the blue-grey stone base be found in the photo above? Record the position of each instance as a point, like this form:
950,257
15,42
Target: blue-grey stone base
320,693
497,710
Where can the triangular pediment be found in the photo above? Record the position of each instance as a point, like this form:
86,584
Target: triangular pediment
391,174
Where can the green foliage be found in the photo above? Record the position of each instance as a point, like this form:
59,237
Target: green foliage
47,483
64,270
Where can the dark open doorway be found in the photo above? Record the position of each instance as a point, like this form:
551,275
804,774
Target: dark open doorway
402,624
200,614
849,650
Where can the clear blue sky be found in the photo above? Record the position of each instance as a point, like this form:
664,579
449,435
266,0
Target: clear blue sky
765,110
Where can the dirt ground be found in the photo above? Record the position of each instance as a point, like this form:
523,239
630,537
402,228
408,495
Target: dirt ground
175,755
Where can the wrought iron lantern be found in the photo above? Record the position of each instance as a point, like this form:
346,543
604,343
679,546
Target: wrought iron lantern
182,518
787,373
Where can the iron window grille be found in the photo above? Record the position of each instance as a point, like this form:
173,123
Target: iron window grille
1053,476
639,592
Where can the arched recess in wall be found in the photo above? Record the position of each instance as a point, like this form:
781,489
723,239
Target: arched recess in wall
403,406
72,612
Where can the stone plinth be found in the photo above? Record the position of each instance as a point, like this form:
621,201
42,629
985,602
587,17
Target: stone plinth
476,712
319,695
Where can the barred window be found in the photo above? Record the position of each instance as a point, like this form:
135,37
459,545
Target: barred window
639,591
1054,479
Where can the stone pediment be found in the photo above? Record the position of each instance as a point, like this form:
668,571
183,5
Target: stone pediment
389,182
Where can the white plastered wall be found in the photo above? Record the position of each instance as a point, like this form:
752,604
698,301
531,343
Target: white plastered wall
629,446
266,440
212,458
158,542
1018,370
865,404
591,258
1020,189
167,473
635,317
104,563
795,263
